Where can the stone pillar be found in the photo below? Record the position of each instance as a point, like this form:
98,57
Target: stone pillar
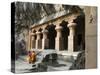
71,37
45,40
33,40
37,40
58,38
29,41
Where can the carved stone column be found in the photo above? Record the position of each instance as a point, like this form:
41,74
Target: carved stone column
58,38
71,37
37,40
45,40
29,41
33,43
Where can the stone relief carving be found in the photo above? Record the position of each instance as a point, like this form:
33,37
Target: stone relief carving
91,19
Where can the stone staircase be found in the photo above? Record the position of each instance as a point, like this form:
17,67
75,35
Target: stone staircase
67,59
67,56
62,66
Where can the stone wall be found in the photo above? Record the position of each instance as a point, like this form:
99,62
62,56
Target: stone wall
91,36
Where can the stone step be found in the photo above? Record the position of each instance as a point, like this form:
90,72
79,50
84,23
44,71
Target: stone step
65,66
67,56
50,68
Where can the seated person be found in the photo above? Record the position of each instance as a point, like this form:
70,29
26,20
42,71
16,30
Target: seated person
31,57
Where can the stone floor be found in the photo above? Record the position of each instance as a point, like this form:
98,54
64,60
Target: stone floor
64,62
22,66
61,67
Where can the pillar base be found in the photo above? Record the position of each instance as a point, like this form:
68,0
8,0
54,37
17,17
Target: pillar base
45,43
58,44
72,44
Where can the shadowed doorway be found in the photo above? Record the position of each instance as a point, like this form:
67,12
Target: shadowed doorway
51,36
65,33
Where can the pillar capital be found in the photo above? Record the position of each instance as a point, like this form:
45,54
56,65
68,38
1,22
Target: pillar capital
33,37
72,24
45,31
71,27
58,28
38,32
32,34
